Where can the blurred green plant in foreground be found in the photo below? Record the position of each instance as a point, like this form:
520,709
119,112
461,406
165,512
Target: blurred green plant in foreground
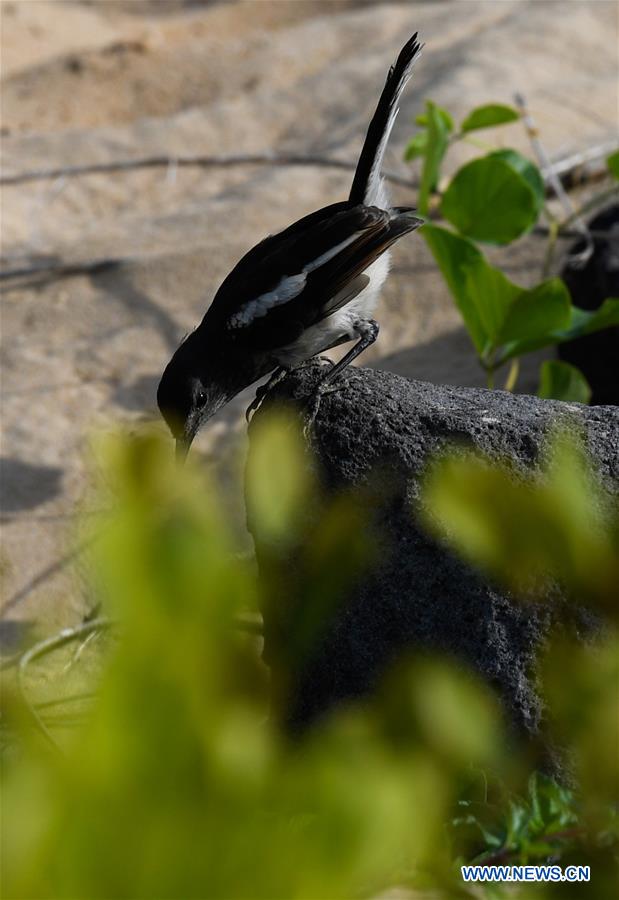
178,783
561,526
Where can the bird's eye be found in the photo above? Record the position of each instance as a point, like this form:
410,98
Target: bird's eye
201,398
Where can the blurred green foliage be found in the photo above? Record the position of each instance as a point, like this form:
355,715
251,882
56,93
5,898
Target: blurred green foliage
560,524
526,531
496,199
177,782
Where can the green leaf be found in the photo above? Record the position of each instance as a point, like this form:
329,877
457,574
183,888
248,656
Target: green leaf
416,146
583,322
422,118
552,806
612,162
561,381
438,138
511,315
497,312
503,319
529,171
493,295
537,313
488,200
579,324
454,255
516,824
492,840
489,115
537,812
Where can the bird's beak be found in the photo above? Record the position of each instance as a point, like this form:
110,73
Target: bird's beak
182,449
192,427
184,442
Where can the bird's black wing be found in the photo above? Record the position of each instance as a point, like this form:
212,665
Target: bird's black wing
298,277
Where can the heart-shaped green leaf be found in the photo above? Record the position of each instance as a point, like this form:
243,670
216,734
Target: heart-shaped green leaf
453,255
583,322
489,115
537,313
505,320
527,169
512,316
561,381
493,296
488,200
579,323
497,312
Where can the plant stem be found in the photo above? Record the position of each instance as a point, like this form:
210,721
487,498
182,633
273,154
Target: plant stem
475,142
550,216
552,179
592,203
553,233
512,375
42,649
490,379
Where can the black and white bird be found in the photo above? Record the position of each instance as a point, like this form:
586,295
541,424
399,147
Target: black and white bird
300,292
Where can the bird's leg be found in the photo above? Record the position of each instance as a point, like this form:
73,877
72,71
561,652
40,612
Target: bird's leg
278,375
367,329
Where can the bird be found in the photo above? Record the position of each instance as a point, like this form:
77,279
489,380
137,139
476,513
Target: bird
297,293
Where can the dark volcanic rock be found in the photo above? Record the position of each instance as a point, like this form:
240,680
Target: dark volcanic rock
375,434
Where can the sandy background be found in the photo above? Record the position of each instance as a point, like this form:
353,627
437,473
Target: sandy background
93,82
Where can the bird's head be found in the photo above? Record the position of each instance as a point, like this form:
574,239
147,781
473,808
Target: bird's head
187,396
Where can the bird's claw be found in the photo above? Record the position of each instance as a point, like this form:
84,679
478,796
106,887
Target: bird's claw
314,406
323,361
263,390
251,409
255,403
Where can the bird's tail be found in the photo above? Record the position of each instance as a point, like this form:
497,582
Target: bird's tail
368,186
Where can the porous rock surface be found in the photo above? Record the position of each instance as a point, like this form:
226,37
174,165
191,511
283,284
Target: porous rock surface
418,596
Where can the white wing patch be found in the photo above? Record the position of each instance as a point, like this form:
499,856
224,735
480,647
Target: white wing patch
329,254
288,287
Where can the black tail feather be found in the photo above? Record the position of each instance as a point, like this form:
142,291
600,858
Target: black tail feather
367,183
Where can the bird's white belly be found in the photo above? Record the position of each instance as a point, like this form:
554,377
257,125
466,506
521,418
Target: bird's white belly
340,324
